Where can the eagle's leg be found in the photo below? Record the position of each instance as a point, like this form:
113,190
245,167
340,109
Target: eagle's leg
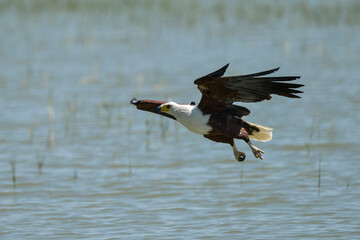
219,137
245,136
240,156
257,151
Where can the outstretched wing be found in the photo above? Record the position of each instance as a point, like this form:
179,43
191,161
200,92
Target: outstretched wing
150,106
219,92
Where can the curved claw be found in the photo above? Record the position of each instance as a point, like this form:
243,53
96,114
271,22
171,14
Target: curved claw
257,152
258,155
240,156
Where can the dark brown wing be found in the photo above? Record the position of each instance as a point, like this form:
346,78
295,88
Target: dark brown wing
150,106
220,92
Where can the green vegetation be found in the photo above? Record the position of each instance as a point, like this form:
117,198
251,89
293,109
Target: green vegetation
190,13
12,162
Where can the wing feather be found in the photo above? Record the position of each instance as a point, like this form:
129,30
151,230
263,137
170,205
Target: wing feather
219,92
216,74
260,73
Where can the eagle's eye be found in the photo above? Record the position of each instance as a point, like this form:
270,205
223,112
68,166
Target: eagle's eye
168,106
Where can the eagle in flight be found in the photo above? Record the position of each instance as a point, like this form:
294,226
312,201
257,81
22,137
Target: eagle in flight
216,117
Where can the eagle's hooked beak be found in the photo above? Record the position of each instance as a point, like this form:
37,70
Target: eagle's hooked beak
158,109
162,108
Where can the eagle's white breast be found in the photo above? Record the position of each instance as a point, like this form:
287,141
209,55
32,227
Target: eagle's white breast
191,117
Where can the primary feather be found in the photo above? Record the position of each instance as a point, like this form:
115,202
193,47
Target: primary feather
221,91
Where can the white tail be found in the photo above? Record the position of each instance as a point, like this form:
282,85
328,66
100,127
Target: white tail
264,135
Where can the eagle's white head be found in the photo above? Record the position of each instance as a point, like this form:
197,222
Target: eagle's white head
175,109
188,115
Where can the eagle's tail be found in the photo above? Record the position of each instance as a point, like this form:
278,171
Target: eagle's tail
264,134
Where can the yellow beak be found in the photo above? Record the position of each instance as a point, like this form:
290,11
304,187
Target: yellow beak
163,108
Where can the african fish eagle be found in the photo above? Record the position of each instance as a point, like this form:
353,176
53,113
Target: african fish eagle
216,117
